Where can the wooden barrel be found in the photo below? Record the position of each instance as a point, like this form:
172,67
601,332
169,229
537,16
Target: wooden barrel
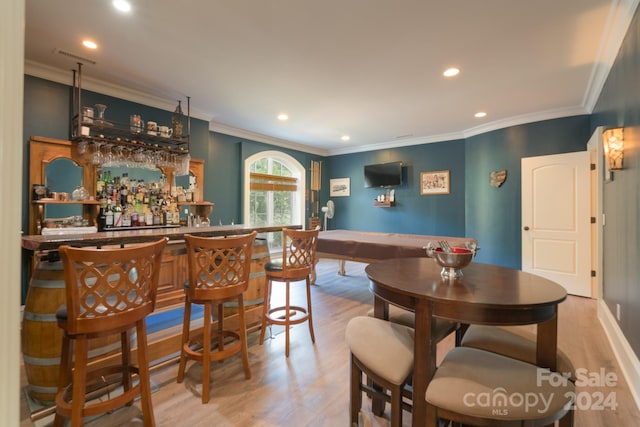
254,295
41,336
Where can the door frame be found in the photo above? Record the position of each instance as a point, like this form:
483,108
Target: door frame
594,146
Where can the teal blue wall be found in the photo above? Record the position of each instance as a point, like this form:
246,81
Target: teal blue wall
493,215
473,208
434,214
619,105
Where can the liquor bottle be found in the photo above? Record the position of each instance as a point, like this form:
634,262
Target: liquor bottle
124,190
108,183
148,217
156,217
100,186
126,216
109,215
117,216
166,209
102,219
177,121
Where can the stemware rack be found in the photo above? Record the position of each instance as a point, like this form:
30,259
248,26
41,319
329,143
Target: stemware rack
104,131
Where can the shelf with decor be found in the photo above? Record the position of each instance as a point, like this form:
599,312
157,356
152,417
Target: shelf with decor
198,209
385,204
89,212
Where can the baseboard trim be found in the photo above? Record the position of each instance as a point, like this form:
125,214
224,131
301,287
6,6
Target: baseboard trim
629,363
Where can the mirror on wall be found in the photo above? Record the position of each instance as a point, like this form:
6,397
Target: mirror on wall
62,175
148,175
186,181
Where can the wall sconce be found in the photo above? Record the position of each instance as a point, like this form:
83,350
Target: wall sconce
613,141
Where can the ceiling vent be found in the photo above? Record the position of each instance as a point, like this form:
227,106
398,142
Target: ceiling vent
74,56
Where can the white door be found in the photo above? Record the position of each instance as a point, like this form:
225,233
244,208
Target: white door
556,219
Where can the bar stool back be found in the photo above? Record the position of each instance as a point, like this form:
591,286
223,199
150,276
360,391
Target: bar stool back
218,272
296,264
108,291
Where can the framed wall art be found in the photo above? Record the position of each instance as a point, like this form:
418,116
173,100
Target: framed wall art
339,187
435,182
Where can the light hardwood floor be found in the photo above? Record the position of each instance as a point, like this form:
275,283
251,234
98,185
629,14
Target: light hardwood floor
310,388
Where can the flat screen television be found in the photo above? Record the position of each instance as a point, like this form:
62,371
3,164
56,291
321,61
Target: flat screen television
383,175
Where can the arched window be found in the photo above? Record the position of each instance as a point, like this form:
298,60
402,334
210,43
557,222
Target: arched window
274,189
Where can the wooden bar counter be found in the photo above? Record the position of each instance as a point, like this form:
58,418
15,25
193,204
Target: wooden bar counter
42,339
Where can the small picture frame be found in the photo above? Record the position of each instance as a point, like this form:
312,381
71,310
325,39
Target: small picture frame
340,187
435,182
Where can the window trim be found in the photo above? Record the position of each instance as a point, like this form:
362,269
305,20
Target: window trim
298,171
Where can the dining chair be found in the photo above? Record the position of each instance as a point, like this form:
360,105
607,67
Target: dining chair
519,346
219,271
107,291
481,388
407,318
296,264
383,351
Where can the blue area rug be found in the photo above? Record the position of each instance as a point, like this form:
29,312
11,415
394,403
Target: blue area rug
167,319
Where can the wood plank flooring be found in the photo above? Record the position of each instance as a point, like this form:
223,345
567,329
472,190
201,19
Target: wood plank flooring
310,388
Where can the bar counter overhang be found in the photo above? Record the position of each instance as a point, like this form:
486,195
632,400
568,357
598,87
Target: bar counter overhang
125,236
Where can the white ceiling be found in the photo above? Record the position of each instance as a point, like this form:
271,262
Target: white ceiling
371,69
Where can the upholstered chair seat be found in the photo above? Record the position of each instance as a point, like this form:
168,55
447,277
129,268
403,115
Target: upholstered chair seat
383,351
482,388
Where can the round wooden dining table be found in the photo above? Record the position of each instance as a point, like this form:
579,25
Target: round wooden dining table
485,294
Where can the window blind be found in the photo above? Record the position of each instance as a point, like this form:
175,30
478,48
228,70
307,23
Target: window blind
267,182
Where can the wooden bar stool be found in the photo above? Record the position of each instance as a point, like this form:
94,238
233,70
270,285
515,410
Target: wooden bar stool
218,272
383,351
481,388
108,291
296,264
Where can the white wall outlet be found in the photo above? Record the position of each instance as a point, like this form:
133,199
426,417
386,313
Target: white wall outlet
618,312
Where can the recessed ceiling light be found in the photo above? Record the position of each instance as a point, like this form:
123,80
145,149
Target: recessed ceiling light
122,5
89,44
480,114
283,117
345,137
451,72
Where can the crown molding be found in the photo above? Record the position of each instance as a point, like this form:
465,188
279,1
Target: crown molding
65,77
477,130
255,136
404,142
616,27
539,116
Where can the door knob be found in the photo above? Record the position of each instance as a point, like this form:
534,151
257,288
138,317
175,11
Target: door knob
526,228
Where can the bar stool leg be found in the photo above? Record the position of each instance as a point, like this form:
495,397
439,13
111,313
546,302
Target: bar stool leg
220,309
265,308
185,339
65,375
206,353
125,345
145,378
356,394
244,348
79,381
309,315
287,318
